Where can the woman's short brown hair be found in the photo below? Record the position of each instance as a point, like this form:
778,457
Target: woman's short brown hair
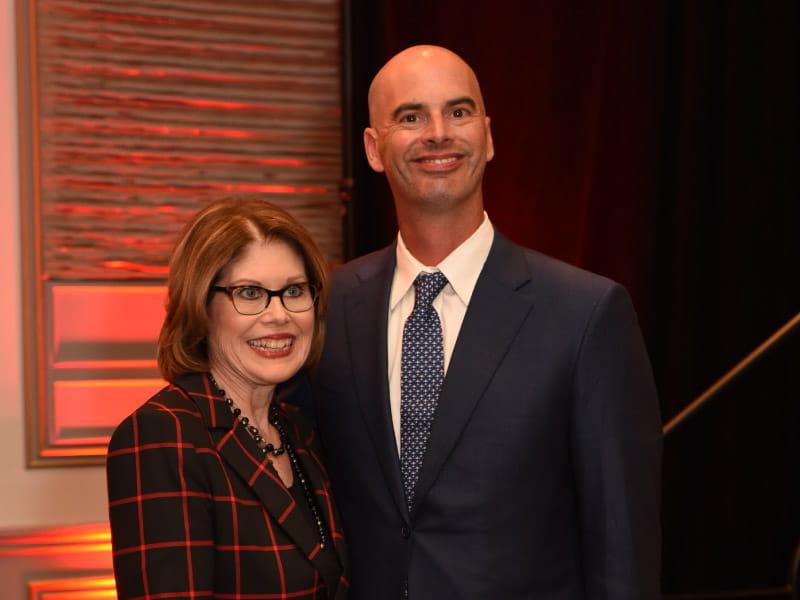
215,237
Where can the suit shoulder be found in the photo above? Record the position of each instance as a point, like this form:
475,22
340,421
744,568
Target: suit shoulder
575,302
167,414
170,400
564,290
363,267
562,277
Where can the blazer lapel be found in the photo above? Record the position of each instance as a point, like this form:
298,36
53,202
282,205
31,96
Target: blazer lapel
366,314
317,479
495,314
238,449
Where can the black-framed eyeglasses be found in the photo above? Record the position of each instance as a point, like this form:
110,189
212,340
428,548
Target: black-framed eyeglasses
254,299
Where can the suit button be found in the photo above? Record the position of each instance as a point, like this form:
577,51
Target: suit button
405,532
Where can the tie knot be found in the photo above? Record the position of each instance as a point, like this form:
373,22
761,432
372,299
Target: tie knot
426,287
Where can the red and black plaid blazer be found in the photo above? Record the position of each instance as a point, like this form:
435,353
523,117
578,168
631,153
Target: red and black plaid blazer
196,512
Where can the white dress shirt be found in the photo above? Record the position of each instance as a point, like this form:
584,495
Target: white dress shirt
462,268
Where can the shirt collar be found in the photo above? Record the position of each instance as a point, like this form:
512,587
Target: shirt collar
462,266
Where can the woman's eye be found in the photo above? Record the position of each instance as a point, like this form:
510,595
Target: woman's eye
294,291
250,293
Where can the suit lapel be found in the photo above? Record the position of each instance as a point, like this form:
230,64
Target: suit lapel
238,449
495,314
366,314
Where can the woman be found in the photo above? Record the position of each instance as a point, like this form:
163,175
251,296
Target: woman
216,488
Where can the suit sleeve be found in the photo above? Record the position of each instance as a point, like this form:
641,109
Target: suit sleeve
616,445
161,527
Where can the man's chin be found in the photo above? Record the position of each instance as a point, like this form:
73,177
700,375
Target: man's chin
436,201
442,198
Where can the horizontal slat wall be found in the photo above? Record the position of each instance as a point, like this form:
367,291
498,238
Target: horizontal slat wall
134,115
150,109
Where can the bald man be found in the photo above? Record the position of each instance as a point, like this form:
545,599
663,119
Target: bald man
521,457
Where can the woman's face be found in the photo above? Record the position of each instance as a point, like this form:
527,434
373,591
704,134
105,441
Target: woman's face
254,351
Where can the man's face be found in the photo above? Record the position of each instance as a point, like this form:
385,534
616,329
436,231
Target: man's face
429,130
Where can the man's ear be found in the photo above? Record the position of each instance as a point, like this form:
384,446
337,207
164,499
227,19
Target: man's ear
489,141
371,148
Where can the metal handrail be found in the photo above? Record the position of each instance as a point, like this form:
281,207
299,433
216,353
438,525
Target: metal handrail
723,381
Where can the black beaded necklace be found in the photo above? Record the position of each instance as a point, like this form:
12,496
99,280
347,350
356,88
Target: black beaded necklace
286,446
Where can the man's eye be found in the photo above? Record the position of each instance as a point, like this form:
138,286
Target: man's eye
459,112
250,293
409,118
294,291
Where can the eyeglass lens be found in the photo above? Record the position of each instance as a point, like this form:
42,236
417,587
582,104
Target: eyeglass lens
252,300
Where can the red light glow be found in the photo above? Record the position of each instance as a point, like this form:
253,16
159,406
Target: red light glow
188,190
130,266
59,541
92,451
105,364
152,158
77,588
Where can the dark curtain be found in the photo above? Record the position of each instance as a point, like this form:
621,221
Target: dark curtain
654,143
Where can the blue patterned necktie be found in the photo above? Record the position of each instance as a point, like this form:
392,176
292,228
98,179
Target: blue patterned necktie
421,376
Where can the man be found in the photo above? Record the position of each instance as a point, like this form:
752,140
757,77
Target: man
491,427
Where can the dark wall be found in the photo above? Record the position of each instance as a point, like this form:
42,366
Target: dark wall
655,143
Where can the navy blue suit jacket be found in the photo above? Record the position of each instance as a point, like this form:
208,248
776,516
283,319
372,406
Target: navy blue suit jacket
542,474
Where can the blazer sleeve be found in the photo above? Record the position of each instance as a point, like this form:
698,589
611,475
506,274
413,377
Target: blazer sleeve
616,446
161,527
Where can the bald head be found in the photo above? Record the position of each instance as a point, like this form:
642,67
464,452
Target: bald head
430,135
425,65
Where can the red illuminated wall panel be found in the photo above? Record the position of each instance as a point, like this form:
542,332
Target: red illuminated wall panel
132,117
62,563
75,588
99,363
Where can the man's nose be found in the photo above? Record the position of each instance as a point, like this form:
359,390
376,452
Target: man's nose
438,130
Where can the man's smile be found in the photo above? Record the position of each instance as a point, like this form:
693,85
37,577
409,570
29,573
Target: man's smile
439,162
